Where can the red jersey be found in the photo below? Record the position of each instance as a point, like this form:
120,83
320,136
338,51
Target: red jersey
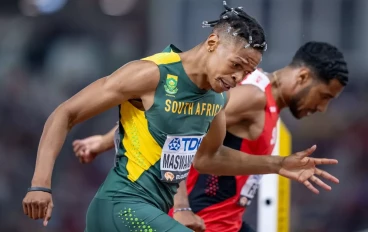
216,198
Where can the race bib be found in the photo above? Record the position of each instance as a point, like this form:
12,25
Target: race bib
249,190
177,156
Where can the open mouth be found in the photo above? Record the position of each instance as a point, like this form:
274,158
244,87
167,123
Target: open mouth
310,112
224,85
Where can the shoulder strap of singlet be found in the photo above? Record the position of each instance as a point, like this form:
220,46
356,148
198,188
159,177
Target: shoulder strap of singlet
257,78
164,58
225,97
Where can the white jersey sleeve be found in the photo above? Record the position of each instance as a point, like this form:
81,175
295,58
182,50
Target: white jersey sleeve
257,78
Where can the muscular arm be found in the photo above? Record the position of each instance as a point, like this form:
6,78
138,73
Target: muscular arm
214,158
181,197
135,80
246,102
108,139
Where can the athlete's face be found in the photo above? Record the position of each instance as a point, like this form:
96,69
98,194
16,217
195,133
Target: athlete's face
314,95
229,62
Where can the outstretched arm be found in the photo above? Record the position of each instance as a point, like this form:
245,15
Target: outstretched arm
214,158
86,150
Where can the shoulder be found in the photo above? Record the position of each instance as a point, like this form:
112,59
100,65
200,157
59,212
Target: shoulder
139,75
246,98
258,79
164,58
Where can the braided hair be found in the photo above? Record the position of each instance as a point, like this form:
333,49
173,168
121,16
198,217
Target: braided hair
325,61
237,23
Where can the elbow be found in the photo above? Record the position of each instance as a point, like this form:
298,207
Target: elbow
62,113
201,164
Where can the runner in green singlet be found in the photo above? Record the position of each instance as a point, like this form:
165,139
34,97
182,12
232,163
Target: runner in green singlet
170,115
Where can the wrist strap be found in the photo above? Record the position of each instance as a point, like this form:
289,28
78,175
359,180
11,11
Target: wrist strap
182,209
42,189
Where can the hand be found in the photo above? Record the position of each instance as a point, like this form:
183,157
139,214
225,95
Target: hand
190,220
86,150
243,201
302,168
38,205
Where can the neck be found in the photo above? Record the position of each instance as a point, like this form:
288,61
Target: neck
279,88
194,62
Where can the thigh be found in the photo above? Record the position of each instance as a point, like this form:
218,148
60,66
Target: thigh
246,228
100,216
113,216
146,218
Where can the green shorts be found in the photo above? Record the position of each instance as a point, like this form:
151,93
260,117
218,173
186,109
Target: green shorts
117,216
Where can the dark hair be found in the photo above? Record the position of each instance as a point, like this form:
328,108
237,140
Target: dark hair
238,23
324,59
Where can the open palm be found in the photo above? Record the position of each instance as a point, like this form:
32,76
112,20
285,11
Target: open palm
303,169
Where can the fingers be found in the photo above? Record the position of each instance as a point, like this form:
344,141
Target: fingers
324,161
48,214
201,225
320,183
75,142
25,210
307,152
78,150
310,187
76,145
36,204
42,207
34,210
326,175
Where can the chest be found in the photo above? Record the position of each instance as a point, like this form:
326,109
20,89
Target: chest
185,112
259,136
262,134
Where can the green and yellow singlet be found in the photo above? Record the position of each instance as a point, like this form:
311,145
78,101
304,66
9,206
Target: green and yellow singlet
155,148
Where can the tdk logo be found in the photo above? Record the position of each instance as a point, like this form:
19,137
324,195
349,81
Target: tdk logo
186,144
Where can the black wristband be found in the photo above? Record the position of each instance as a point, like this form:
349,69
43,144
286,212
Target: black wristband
42,189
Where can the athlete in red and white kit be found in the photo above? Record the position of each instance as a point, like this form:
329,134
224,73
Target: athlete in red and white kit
218,200
316,75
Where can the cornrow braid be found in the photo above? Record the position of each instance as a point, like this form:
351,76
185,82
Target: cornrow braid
240,24
324,59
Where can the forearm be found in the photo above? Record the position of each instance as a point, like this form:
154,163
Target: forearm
52,140
181,197
230,162
108,139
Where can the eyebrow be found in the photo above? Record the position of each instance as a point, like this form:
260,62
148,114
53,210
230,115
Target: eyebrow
329,95
249,60
242,60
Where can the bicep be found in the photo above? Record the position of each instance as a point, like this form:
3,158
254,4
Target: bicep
130,81
245,102
215,136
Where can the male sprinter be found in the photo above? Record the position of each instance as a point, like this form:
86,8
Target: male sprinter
170,103
316,75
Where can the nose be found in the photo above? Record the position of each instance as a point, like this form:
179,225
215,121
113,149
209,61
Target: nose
322,107
238,77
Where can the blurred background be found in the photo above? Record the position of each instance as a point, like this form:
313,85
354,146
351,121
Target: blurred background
50,49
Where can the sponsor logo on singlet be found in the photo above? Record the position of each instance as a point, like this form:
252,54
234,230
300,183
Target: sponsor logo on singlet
177,156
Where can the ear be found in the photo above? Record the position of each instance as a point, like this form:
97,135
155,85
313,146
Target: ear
304,76
212,42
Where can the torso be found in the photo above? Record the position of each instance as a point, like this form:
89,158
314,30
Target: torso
156,147
216,198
